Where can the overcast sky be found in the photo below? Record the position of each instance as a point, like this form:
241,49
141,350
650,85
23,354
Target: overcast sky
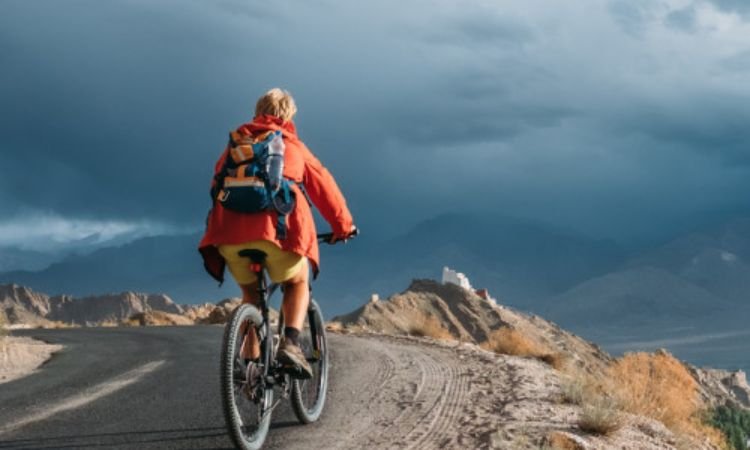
615,118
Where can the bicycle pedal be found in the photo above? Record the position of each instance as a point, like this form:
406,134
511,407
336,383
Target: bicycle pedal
296,372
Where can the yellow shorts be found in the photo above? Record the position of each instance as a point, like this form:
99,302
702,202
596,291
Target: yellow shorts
281,265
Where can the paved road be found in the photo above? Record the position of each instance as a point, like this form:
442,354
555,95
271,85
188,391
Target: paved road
157,388
171,403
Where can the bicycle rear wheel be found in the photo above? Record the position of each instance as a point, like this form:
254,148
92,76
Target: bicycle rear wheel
246,403
309,396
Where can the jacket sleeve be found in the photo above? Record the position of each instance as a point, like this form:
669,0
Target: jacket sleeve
326,195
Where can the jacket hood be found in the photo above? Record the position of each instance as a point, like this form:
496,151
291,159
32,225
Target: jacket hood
267,122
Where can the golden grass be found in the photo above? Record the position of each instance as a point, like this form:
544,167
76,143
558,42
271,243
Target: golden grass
55,325
659,386
600,410
656,386
509,341
575,390
600,415
560,441
3,325
335,327
430,327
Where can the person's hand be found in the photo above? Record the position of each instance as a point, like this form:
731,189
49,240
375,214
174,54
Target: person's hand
344,237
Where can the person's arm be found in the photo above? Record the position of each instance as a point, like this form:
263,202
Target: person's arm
326,195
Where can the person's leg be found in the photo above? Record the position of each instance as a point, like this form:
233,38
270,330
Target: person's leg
296,299
250,347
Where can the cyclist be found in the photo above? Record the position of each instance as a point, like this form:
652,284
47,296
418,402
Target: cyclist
288,260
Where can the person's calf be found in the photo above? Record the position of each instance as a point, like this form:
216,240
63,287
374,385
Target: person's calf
250,346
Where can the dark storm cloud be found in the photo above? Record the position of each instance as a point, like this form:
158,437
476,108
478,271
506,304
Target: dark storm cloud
548,110
739,62
739,6
631,15
682,19
479,26
717,128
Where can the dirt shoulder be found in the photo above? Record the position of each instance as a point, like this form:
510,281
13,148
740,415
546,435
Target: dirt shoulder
20,356
413,393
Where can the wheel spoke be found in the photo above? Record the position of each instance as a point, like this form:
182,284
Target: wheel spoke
308,396
243,402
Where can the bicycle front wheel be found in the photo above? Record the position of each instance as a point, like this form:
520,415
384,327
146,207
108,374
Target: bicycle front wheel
246,398
309,396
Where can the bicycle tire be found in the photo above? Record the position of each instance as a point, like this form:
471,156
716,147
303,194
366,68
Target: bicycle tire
309,396
229,386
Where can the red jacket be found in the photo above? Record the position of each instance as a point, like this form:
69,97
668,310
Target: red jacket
229,227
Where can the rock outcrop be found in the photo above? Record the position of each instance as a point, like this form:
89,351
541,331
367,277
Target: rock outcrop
158,318
24,306
467,317
722,387
221,311
108,308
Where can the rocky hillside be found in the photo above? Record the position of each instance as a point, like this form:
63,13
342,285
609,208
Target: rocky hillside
638,401
466,317
22,306
25,307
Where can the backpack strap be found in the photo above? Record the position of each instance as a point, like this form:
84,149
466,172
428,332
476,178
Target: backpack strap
281,227
218,183
302,189
286,192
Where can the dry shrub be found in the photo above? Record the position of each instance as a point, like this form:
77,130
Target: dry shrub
56,325
509,341
335,327
430,327
558,361
575,390
562,441
3,332
699,431
656,386
3,325
660,387
600,415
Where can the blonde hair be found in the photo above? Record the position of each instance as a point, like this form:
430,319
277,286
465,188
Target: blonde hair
276,102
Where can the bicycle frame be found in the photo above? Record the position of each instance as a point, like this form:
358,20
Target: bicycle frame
307,400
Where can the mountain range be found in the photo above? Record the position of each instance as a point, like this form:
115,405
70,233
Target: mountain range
20,305
696,278
518,259
699,281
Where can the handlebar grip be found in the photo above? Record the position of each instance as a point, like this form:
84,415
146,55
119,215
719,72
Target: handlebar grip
326,237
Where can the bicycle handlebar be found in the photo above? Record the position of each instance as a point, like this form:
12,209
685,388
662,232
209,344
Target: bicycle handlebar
327,237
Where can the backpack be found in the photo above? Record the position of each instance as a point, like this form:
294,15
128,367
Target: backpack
243,183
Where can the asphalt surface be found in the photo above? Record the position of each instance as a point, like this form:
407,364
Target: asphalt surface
158,388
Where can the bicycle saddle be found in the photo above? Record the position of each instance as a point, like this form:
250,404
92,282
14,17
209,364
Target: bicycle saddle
256,256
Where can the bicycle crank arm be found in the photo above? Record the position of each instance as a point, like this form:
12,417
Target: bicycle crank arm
270,410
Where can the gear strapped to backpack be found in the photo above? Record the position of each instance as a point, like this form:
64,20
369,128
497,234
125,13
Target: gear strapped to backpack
251,179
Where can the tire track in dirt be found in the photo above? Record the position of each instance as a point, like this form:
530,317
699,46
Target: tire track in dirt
454,398
431,393
429,397
391,393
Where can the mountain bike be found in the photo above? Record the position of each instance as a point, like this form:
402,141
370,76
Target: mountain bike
247,389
